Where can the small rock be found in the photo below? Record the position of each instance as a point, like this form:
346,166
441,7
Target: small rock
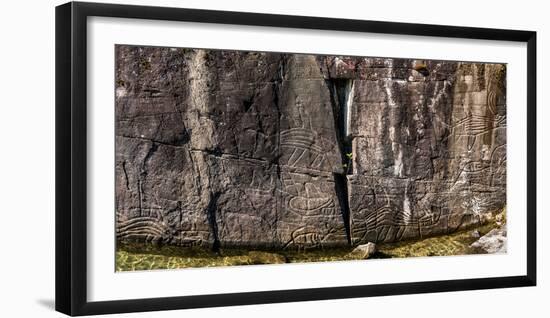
492,242
475,233
363,251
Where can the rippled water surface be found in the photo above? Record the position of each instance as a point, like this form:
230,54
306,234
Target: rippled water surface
135,256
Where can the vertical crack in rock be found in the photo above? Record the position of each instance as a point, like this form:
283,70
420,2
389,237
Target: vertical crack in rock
150,153
212,220
341,188
341,91
143,174
126,175
394,128
277,86
140,197
346,102
341,98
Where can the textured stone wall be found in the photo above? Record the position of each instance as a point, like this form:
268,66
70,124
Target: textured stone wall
227,148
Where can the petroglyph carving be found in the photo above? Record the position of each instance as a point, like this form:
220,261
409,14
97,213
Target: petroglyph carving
230,148
304,148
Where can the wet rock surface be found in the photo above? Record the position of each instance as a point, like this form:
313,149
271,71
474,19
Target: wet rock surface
235,149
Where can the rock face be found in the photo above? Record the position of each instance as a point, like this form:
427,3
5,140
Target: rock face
228,148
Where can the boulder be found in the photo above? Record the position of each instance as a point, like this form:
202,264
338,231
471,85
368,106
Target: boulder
492,242
363,251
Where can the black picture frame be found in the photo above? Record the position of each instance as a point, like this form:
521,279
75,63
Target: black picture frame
71,157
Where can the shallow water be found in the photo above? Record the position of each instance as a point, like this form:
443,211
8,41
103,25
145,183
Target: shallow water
446,245
134,256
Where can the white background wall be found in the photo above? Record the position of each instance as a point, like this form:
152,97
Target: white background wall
27,158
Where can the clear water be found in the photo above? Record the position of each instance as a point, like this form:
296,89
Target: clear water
131,257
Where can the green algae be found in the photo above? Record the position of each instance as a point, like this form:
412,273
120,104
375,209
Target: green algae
138,256
132,257
445,245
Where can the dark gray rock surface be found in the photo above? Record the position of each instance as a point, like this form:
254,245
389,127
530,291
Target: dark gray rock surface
228,148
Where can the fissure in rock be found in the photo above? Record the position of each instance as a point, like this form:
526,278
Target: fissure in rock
341,98
212,220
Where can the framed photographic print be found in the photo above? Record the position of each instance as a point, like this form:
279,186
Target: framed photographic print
209,158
